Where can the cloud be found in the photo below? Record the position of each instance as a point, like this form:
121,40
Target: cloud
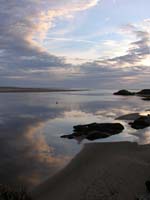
130,68
24,60
138,49
24,26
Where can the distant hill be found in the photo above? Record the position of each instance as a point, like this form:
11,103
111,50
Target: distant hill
24,89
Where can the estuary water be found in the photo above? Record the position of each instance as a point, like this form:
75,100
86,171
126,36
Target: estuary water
31,124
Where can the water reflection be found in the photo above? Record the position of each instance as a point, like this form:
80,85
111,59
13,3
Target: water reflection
25,155
31,125
143,136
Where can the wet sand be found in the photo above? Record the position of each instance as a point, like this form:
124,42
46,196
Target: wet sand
101,171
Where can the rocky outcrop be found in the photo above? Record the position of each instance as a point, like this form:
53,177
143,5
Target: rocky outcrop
124,93
145,92
141,122
147,184
131,116
95,131
146,98
142,93
138,121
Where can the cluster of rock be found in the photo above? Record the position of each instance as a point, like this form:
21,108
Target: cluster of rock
141,122
146,98
137,121
95,131
143,93
124,93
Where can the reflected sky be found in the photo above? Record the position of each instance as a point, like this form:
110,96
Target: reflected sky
31,149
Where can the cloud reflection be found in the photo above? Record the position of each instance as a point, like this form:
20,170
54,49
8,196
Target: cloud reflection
26,157
143,136
25,154
40,155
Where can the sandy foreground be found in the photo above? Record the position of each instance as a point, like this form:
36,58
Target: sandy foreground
101,171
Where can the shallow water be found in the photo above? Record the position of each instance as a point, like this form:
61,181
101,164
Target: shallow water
31,124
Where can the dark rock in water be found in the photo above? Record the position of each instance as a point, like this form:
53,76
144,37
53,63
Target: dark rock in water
71,136
141,122
147,184
93,135
146,98
131,116
124,93
95,130
145,92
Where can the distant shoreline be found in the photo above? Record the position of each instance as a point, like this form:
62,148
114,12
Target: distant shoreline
34,90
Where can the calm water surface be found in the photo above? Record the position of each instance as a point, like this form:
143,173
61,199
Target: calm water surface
31,124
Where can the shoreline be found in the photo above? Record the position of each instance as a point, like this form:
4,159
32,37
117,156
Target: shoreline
108,171
36,90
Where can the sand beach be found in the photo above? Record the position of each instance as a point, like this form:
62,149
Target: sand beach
104,171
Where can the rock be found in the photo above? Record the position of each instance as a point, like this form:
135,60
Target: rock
145,92
145,196
141,122
95,130
71,136
93,135
147,184
142,93
131,116
146,98
124,93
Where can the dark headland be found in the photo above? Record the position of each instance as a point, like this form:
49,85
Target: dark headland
33,89
143,93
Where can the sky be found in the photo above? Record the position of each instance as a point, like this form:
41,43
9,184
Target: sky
75,44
